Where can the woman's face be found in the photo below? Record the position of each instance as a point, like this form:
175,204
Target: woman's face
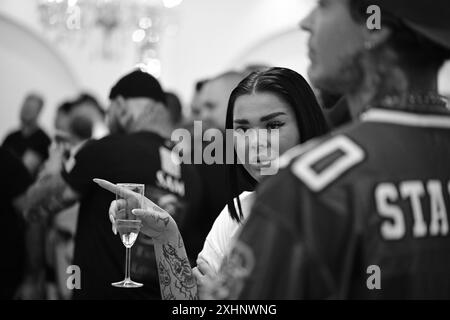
259,113
335,40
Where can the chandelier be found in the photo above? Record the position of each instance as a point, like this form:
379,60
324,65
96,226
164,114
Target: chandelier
111,26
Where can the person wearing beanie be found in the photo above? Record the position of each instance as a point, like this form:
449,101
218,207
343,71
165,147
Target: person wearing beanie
138,103
363,213
136,151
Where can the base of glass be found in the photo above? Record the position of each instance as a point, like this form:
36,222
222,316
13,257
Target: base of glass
127,284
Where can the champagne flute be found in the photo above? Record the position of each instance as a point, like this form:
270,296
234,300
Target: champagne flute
128,227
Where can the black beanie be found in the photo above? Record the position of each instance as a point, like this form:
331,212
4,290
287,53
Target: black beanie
138,84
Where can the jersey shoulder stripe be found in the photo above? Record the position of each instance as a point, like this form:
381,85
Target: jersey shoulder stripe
325,163
297,151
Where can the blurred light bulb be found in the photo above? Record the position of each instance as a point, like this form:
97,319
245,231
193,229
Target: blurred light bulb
171,3
138,35
152,66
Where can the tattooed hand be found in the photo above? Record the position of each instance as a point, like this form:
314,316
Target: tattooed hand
156,222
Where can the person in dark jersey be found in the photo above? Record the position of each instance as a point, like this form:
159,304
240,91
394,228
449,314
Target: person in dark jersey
364,212
135,152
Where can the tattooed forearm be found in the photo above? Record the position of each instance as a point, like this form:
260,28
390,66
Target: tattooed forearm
175,274
180,267
165,282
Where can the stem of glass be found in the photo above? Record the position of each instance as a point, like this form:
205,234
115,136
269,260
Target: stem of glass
127,264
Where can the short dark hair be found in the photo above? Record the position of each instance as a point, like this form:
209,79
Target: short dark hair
293,89
79,125
85,97
199,84
65,107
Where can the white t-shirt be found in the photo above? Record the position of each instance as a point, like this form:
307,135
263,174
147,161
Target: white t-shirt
224,232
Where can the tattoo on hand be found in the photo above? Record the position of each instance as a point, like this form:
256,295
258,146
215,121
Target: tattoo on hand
165,221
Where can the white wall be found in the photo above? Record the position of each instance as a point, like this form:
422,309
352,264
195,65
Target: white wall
215,34
286,49
29,64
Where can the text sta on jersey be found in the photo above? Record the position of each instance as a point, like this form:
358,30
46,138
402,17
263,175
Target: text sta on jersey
427,203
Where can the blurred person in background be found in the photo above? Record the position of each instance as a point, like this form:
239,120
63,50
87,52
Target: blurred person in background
61,121
15,181
29,143
195,108
136,151
175,109
87,106
209,106
53,238
194,115
75,124
84,106
213,99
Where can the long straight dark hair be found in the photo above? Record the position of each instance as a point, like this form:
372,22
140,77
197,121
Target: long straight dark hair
294,90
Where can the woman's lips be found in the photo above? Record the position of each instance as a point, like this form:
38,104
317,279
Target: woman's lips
261,163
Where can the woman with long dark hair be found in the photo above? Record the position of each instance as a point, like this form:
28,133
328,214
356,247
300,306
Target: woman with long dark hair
279,84
274,99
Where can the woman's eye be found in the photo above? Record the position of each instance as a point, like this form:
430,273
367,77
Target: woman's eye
275,125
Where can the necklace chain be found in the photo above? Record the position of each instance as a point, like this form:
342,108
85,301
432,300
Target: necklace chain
414,100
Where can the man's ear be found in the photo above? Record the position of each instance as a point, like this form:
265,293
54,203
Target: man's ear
124,113
154,106
121,103
376,37
160,106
